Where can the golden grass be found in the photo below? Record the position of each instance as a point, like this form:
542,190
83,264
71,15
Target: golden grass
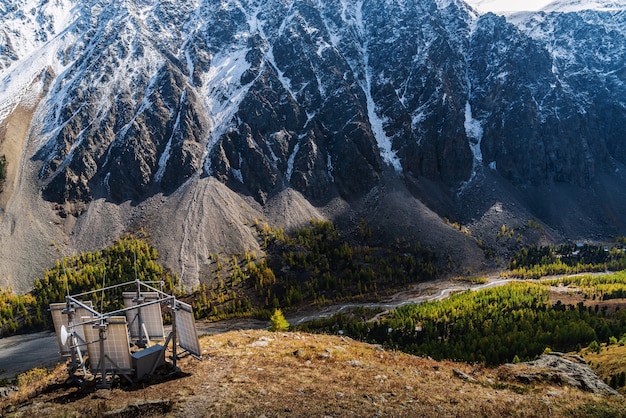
610,361
258,373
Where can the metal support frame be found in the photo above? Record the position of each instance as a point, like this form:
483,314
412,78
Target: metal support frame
76,356
100,322
174,355
102,327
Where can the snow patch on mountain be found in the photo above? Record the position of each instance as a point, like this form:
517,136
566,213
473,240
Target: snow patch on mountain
223,94
291,161
24,32
474,132
526,8
32,40
504,6
442,4
377,123
566,6
571,6
168,147
269,56
329,167
16,82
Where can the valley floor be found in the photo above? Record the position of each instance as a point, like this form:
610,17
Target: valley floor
20,353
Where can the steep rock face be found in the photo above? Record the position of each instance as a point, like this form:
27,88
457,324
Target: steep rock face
548,117
587,49
320,97
332,100
418,78
304,121
510,74
121,118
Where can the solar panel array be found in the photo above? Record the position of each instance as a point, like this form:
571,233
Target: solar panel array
150,315
106,339
59,319
186,329
116,345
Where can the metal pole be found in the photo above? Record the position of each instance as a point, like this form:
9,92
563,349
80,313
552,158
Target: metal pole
103,370
143,336
174,356
69,310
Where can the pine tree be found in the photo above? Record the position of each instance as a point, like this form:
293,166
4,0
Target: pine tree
278,322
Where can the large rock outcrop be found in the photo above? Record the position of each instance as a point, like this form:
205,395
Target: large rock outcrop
559,368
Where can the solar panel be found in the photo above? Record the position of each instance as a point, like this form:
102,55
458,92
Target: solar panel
150,315
106,338
62,319
186,329
116,345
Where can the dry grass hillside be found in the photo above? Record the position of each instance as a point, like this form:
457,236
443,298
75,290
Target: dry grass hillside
610,361
258,373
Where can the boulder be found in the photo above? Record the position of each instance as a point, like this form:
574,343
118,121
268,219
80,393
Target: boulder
559,368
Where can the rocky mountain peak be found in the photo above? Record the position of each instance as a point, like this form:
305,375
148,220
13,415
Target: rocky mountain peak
134,100
314,96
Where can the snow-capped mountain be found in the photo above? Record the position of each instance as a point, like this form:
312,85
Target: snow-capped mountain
569,6
133,99
507,6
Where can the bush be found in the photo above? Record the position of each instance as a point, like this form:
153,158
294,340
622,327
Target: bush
594,347
31,377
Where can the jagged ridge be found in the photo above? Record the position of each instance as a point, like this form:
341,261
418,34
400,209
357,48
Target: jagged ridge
321,96
466,113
